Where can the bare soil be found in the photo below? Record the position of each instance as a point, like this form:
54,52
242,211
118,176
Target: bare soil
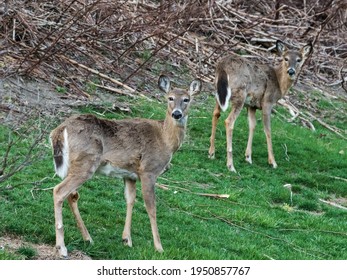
13,243
22,99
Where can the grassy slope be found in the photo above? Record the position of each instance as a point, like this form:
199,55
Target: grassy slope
258,221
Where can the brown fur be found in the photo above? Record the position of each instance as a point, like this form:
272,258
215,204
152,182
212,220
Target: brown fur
132,148
256,86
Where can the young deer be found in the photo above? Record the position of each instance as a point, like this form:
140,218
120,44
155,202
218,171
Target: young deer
135,149
256,86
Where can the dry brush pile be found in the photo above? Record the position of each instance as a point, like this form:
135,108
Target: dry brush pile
65,42
118,45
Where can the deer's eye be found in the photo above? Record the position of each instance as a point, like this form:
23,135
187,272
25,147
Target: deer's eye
171,98
186,100
298,60
286,58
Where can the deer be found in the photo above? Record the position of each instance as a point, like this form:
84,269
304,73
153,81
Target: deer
245,83
132,149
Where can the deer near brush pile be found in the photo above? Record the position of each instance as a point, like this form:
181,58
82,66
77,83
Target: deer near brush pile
133,149
257,86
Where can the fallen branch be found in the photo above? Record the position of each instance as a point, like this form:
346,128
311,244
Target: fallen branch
112,89
333,204
338,178
163,187
166,188
98,73
329,127
295,112
213,195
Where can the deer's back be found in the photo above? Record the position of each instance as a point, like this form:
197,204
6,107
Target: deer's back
254,78
245,71
125,144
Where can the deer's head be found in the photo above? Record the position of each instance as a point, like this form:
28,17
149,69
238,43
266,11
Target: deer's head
178,99
293,59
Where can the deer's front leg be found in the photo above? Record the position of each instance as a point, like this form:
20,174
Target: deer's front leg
148,183
130,195
267,130
251,123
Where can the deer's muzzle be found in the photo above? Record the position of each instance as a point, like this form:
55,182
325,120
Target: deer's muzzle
177,114
291,72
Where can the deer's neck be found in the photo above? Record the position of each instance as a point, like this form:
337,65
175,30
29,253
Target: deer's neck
174,132
283,80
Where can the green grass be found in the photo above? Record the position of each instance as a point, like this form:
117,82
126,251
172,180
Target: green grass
259,220
22,253
4,255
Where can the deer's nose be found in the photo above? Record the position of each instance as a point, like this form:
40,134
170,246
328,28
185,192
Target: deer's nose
291,72
177,114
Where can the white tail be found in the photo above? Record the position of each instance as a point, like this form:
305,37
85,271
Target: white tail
133,149
256,86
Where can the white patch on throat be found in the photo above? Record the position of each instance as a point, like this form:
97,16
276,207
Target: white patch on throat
183,121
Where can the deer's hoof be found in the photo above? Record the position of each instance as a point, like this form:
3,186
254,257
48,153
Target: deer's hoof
89,240
232,168
127,241
249,159
61,252
159,249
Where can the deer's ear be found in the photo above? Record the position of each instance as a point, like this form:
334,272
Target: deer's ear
280,47
307,49
195,87
164,83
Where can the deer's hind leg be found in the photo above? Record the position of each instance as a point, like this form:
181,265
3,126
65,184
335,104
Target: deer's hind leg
130,195
215,118
67,188
72,199
237,104
81,169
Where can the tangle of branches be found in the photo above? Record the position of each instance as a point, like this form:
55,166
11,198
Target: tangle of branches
51,40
